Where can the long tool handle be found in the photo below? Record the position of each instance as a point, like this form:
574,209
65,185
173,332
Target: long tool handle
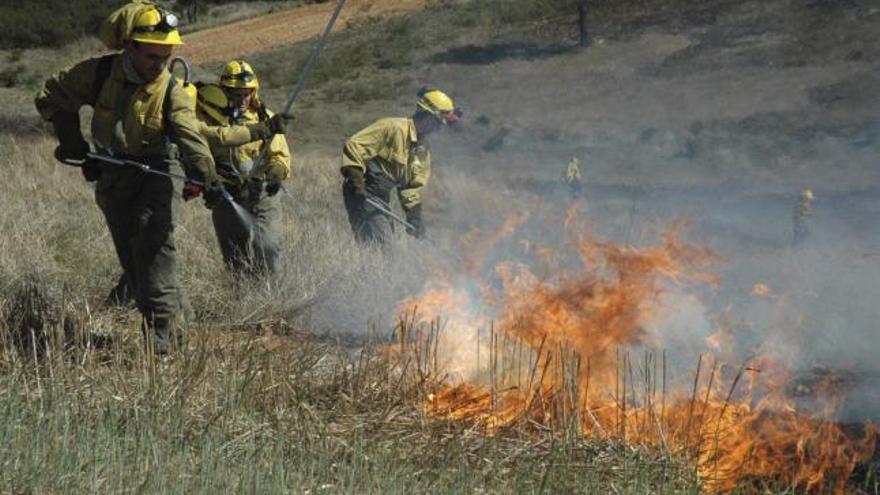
143,166
300,82
316,49
122,162
386,210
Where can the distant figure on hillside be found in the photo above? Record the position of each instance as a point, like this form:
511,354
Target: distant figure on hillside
572,175
392,153
803,212
141,114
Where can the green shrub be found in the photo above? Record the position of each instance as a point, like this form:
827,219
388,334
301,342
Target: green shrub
56,22
51,22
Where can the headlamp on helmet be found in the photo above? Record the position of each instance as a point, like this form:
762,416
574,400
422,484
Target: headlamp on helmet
167,23
156,26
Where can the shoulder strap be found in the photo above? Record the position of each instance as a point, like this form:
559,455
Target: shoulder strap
166,108
262,112
105,65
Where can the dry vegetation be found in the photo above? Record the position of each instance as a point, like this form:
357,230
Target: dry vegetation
287,385
254,405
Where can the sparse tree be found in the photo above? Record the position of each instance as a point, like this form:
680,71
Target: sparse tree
582,23
190,10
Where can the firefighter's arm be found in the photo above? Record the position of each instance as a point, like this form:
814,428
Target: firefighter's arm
59,101
224,136
68,90
411,196
278,158
195,154
364,146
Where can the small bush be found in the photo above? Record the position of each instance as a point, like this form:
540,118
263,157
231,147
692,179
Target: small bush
36,317
51,22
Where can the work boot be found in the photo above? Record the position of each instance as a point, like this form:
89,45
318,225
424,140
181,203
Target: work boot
167,335
161,348
121,295
161,340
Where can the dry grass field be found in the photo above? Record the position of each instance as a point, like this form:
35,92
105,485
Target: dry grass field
346,374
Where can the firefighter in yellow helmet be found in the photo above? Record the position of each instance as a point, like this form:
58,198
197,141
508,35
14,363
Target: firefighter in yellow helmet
572,175
141,114
801,217
239,128
392,153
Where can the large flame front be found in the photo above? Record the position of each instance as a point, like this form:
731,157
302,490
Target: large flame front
536,341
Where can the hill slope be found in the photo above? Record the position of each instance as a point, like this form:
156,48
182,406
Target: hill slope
283,27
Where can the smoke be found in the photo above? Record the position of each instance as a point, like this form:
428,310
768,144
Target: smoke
714,113
721,124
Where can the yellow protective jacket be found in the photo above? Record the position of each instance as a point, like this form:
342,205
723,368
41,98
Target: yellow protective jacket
573,171
128,118
392,143
231,145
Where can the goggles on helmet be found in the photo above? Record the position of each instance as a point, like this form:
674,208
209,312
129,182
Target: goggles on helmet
167,23
244,76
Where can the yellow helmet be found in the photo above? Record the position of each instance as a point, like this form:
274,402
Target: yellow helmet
239,74
807,194
438,104
156,26
212,101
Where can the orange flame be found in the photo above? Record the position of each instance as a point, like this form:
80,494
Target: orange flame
556,349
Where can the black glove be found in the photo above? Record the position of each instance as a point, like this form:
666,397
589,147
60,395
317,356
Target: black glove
72,147
268,128
414,218
272,186
234,181
354,180
274,176
213,194
251,190
278,123
260,131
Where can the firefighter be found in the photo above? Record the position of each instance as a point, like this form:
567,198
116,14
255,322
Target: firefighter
393,153
803,212
572,175
239,127
139,114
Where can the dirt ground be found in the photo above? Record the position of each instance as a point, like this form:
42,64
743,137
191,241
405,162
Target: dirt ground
284,27
769,95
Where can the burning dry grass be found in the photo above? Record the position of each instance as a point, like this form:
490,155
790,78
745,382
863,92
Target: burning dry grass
554,345
252,406
252,411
